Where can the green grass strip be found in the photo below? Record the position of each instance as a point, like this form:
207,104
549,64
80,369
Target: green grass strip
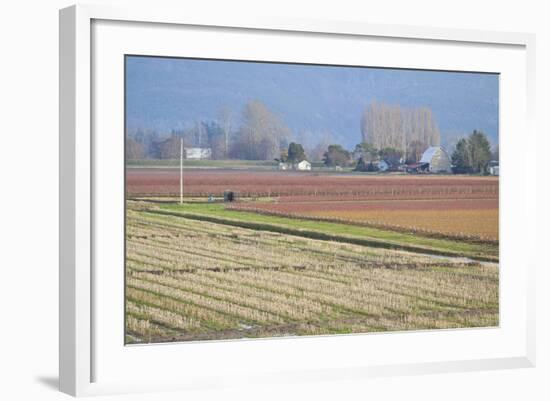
328,231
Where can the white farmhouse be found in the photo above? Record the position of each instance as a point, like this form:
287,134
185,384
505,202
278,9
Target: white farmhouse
303,165
198,153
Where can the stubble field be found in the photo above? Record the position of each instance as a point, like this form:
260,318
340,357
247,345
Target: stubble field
195,280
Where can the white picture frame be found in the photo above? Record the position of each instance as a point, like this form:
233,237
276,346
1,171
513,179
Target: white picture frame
82,343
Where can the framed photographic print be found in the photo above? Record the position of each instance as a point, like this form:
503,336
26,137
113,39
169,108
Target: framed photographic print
278,200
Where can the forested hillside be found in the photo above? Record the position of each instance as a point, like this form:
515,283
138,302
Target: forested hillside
317,104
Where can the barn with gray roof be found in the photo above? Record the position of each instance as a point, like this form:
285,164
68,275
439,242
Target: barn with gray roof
438,160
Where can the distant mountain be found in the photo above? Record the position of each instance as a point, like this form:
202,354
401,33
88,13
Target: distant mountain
168,93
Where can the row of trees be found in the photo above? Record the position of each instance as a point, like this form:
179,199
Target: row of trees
390,132
364,155
260,136
473,154
410,130
150,145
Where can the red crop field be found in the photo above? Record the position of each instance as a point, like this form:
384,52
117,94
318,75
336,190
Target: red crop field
454,206
355,206
292,186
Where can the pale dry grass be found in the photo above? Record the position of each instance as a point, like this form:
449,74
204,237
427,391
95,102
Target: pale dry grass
190,280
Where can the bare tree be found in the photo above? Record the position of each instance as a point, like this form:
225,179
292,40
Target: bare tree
262,134
169,148
392,126
134,150
199,132
318,151
225,119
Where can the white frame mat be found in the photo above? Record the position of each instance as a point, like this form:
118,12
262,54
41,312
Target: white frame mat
93,359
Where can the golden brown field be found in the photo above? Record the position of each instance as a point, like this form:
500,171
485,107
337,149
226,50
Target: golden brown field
458,218
476,222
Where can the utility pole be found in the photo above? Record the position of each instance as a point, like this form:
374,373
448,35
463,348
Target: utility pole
226,142
181,171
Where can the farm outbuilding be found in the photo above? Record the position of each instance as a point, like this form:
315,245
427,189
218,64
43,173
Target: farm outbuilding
198,153
284,166
303,165
388,165
437,159
383,165
417,168
493,167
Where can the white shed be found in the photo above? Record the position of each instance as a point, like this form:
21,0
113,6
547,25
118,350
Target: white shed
198,153
283,166
493,167
303,165
437,159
